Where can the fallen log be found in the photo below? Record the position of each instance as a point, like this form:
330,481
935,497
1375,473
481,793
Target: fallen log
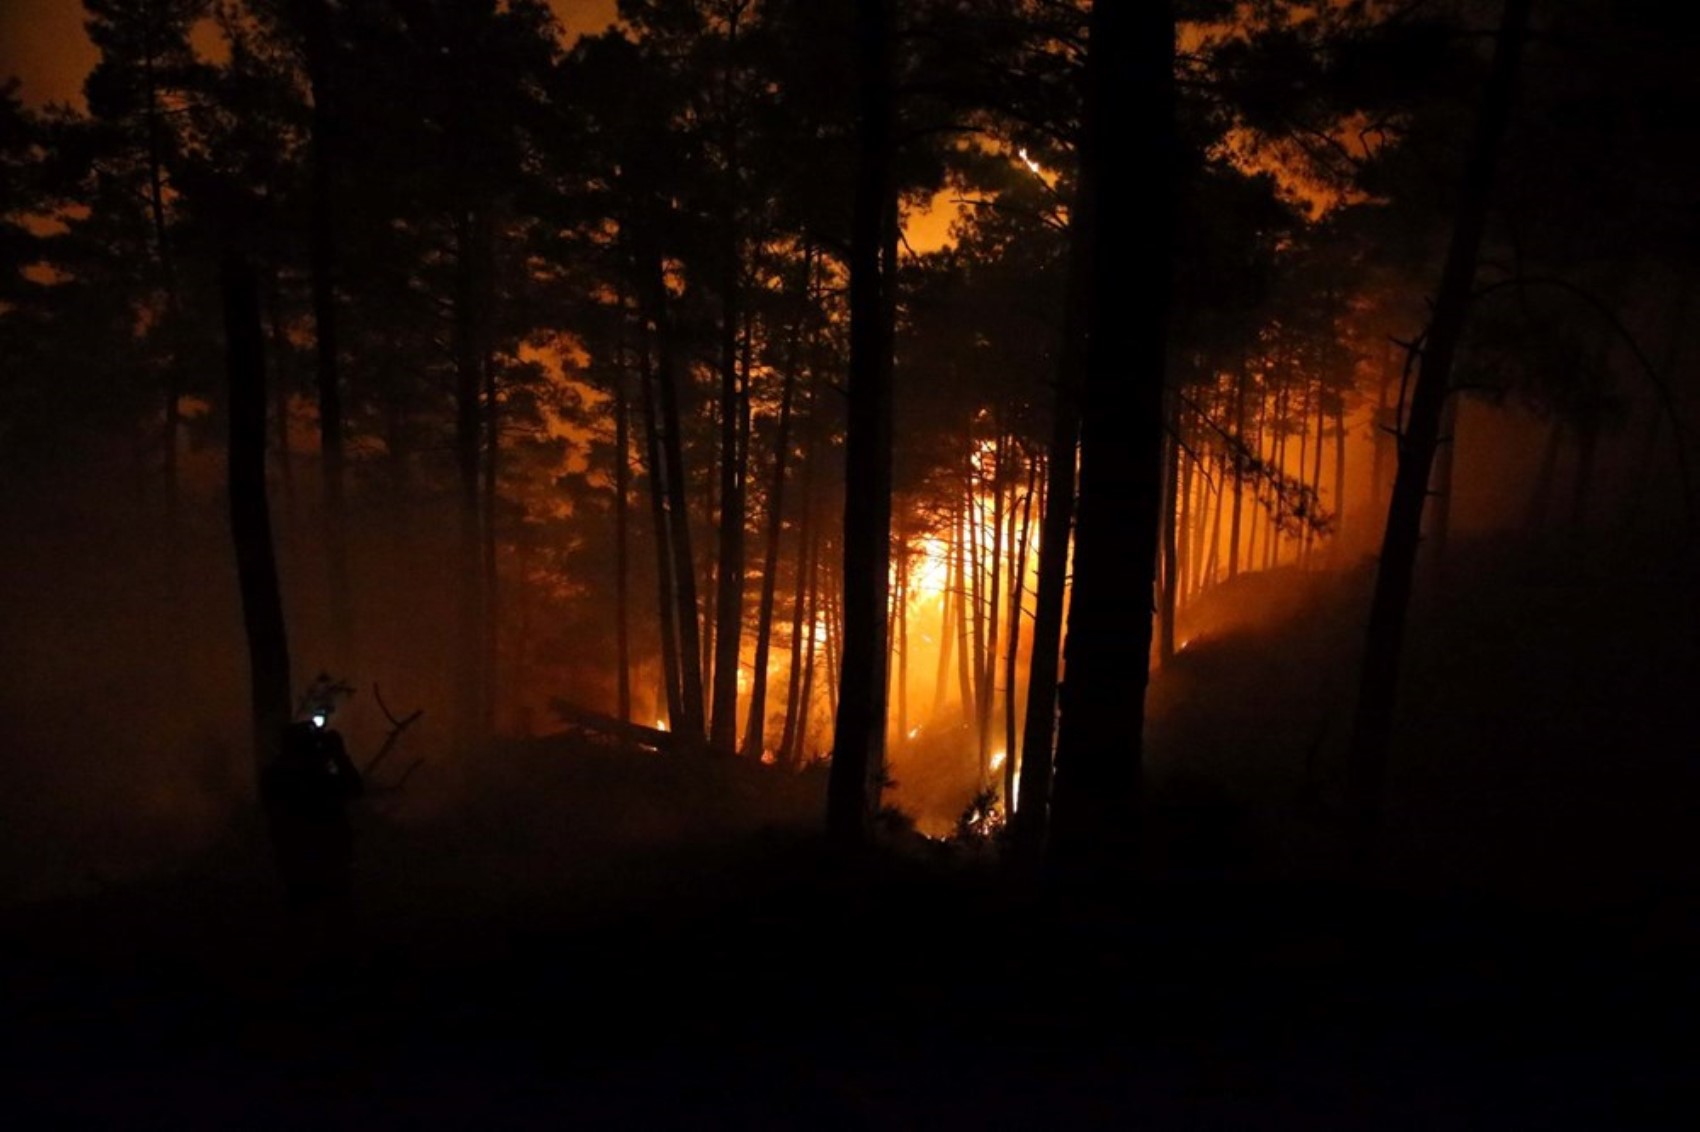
600,723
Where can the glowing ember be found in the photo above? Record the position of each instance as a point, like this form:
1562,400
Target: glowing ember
914,731
997,760
1033,166
661,725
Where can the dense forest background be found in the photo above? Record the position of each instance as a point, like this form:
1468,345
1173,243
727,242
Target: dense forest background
560,337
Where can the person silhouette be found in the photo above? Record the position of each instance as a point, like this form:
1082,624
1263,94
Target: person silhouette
306,791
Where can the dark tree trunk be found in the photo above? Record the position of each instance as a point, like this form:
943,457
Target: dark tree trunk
947,603
803,598
806,697
689,721
1129,93
622,552
1301,536
966,595
859,733
808,554
1239,473
1381,437
900,625
1372,730
1316,469
834,643
1213,527
994,605
755,729
1339,475
706,561
314,18
1439,524
975,524
279,390
1168,596
492,581
729,575
666,604
1183,526
1056,524
250,515
1272,551
1254,521
1017,580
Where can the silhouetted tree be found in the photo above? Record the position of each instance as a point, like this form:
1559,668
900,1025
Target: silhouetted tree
1129,91
1372,727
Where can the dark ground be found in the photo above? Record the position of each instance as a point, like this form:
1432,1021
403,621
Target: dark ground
592,938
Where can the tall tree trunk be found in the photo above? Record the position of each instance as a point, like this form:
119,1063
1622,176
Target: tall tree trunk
755,729
622,551
1213,527
314,18
994,605
834,644
690,721
975,526
1033,818
1372,730
250,515
965,595
1316,470
280,392
492,582
808,554
900,613
1017,584
1339,476
947,602
1168,595
1239,472
667,599
1302,535
1183,520
734,424
806,697
853,789
1439,517
706,561
1278,512
1382,438
1254,523
1129,93
796,715
729,576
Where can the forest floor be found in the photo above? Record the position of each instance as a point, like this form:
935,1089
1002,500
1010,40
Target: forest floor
595,938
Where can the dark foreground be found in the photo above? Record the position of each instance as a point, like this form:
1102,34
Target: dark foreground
592,938
763,984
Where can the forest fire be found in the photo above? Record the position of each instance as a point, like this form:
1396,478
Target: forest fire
1127,519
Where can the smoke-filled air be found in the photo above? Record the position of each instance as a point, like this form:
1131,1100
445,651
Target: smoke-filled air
845,563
